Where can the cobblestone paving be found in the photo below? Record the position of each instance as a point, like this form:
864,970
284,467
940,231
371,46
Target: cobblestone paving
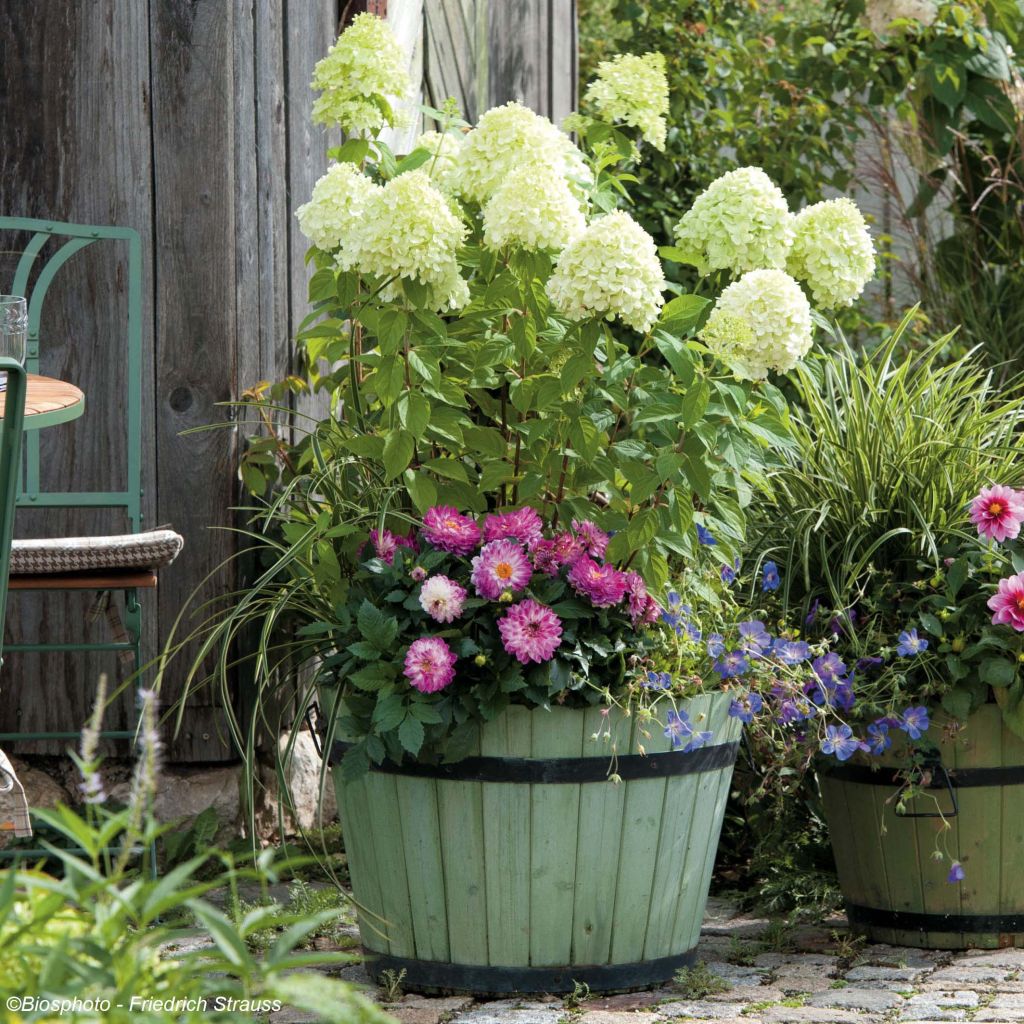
756,972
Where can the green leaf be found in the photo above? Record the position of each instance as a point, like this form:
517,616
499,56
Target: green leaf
957,576
931,623
375,626
410,735
390,712
398,451
364,650
682,313
354,151
422,490
997,672
417,158
957,702
414,413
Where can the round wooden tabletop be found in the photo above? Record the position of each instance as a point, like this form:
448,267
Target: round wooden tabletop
49,401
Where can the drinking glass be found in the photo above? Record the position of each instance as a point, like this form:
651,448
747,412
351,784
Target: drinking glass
13,326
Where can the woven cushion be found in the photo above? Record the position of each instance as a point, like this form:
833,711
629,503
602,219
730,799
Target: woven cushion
81,554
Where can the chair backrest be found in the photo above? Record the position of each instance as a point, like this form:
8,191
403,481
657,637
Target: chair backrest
33,276
11,437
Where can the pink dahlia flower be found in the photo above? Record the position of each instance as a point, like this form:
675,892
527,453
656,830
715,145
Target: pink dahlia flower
603,584
450,530
998,512
523,525
1007,603
501,565
530,632
594,539
643,609
550,555
429,664
385,544
442,598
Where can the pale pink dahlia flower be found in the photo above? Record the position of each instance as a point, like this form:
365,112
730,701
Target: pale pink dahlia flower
429,664
442,598
501,565
448,529
1007,603
523,525
998,512
603,584
530,632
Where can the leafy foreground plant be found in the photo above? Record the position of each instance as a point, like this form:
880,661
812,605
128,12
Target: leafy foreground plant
103,942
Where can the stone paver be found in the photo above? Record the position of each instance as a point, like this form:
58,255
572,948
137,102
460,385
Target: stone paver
771,976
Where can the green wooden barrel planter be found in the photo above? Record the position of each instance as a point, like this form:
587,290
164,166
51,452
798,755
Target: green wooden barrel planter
524,869
894,890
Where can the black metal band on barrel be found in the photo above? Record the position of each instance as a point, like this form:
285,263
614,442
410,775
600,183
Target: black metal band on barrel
563,770
431,975
911,921
961,778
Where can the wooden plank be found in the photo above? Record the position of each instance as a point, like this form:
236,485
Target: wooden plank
424,868
553,829
1011,837
597,850
354,813
460,808
507,843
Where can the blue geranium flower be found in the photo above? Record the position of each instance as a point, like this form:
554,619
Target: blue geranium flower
795,710
729,572
658,681
842,696
813,613
730,664
878,741
914,722
754,638
704,536
716,645
770,577
829,668
839,740
698,740
744,708
956,873
909,643
792,652
678,728
869,662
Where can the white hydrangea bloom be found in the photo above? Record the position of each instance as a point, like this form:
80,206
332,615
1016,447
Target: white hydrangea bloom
611,270
508,137
366,63
740,222
761,322
880,14
532,208
443,164
336,206
409,230
633,89
832,252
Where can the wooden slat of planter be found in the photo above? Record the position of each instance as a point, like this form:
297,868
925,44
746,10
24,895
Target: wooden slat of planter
643,810
1011,835
386,827
597,856
849,866
866,809
554,821
902,856
421,839
460,807
353,811
507,844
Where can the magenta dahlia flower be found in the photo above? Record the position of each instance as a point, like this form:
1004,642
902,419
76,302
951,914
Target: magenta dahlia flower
998,512
429,664
530,632
594,539
523,525
501,565
603,584
550,555
1007,603
442,598
450,530
643,609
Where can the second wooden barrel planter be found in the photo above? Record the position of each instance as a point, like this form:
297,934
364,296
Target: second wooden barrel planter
894,890
523,869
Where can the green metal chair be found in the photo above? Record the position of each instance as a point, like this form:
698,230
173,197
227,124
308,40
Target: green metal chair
123,564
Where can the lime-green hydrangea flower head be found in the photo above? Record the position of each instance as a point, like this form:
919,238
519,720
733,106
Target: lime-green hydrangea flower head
634,90
740,222
832,252
444,160
361,70
512,136
761,322
533,208
336,206
611,270
409,230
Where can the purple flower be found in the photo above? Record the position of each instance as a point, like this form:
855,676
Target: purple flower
657,681
523,525
791,652
770,577
530,631
678,728
878,741
446,528
698,740
956,873
792,710
704,536
909,643
593,539
813,613
729,572
839,740
842,696
731,663
755,639
829,668
744,708
603,584
716,645
868,663
915,722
